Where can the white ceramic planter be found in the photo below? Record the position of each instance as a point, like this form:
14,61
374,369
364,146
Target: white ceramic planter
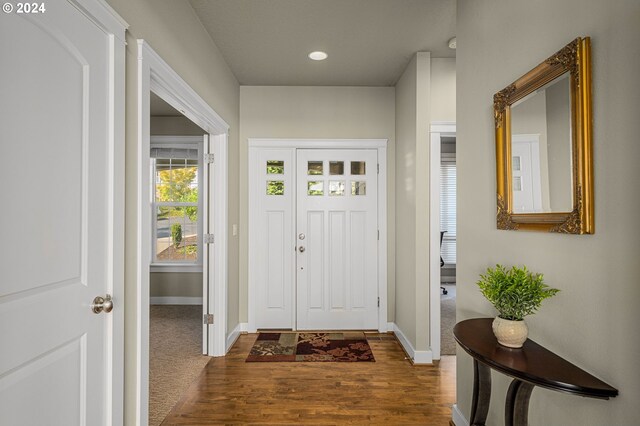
511,334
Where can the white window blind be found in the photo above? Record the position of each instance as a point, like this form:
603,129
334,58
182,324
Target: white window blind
448,206
174,153
177,229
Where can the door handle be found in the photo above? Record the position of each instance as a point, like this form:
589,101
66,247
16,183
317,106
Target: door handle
102,304
301,249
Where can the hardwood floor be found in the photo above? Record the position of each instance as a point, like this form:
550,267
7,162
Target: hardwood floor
389,391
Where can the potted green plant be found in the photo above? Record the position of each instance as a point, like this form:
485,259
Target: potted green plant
515,293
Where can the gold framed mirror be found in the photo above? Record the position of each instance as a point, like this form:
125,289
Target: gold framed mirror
544,160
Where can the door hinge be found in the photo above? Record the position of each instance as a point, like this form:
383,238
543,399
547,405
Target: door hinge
208,239
378,235
208,158
378,168
378,302
208,319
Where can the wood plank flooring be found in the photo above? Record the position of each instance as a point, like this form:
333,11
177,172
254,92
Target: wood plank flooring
389,391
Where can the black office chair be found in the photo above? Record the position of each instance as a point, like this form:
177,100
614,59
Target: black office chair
444,290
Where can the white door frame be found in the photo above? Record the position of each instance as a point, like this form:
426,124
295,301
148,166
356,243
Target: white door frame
381,146
438,130
115,26
154,74
106,18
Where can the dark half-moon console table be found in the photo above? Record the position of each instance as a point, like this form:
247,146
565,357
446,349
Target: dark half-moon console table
530,366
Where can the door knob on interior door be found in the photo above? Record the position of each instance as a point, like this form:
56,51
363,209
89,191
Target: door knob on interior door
102,304
301,236
301,249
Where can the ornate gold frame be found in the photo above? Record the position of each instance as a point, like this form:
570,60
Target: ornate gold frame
576,59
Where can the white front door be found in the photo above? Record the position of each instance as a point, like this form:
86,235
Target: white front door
57,219
337,233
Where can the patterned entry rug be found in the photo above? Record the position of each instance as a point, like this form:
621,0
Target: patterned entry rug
323,347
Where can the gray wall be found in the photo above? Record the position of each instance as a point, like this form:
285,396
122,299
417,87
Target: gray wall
405,197
316,112
443,89
413,118
175,284
174,126
593,321
172,29
559,146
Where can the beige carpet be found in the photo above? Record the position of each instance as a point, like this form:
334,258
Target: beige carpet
447,320
175,355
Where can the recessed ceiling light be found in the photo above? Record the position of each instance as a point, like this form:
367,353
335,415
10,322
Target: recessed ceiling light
452,43
318,55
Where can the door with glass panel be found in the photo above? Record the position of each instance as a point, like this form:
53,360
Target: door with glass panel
271,245
336,239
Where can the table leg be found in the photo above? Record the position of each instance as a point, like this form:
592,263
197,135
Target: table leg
481,393
516,407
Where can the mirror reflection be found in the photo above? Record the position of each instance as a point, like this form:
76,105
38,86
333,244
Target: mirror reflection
544,163
541,154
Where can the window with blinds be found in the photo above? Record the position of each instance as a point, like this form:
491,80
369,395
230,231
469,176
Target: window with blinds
176,205
448,206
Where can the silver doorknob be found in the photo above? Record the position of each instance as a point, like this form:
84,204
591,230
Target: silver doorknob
301,249
301,236
102,304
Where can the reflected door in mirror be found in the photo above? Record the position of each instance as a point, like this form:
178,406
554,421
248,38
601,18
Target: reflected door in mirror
541,141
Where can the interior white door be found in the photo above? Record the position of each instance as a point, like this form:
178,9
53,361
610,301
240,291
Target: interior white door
56,124
271,255
525,166
337,233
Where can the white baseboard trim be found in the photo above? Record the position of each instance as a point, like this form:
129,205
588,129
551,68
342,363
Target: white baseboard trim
418,357
244,327
457,417
233,336
171,300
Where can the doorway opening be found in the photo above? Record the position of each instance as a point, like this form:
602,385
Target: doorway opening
448,244
155,218
176,339
443,236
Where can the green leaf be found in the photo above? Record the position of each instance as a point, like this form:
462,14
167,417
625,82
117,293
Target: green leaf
515,292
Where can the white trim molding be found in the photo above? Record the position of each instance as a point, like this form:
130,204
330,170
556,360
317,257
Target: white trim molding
105,17
417,357
438,130
317,143
175,300
233,336
457,417
154,74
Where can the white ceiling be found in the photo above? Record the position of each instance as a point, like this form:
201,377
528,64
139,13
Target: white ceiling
369,42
